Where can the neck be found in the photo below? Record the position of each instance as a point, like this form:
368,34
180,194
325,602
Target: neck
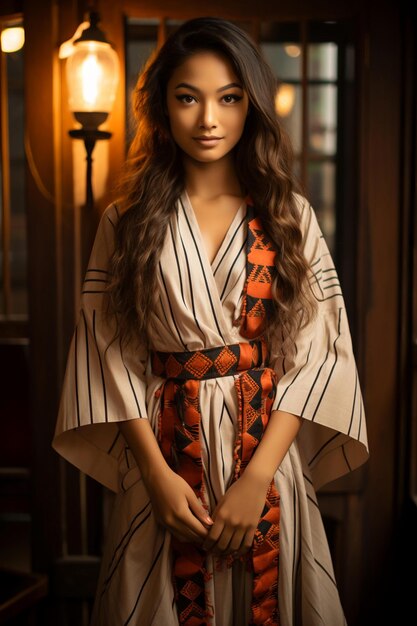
210,180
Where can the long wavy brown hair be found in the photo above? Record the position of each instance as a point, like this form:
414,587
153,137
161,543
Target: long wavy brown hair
153,179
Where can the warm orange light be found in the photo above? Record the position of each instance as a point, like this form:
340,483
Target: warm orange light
12,39
285,99
292,50
92,73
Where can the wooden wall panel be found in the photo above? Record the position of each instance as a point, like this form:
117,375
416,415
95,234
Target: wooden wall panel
379,260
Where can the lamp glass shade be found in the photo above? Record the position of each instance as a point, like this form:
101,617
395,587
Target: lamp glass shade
12,39
92,77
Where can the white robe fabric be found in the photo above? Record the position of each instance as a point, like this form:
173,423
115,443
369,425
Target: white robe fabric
317,379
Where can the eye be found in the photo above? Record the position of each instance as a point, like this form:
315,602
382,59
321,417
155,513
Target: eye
230,98
185,98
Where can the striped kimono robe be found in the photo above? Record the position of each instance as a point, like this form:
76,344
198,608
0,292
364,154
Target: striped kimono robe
317,380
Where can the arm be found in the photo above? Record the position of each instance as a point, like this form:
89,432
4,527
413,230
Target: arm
281,431
238,512
142,442
174,502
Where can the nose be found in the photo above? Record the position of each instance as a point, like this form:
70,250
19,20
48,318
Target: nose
208,117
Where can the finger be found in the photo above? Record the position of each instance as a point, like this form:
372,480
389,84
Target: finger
222,544
198,510
213,535
236,541
186,525
246,544
183,533
189,525
193,524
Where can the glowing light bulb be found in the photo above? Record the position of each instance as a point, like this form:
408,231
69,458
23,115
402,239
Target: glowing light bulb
91,75
12,39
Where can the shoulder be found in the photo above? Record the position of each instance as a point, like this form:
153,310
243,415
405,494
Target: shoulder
313,241
105,235
108,221
110,215
308,219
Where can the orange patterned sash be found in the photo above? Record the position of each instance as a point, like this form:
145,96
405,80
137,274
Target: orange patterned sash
179,435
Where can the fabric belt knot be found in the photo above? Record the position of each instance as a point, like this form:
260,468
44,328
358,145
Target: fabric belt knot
179,439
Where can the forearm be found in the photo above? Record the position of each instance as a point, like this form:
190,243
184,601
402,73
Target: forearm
279,434
144,446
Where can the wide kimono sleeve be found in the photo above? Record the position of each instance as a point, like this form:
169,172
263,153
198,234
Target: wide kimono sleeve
103,383
317,373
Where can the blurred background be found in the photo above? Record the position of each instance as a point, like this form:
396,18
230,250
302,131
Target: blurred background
346,94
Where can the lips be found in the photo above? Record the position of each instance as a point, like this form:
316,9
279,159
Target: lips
206,137
207,141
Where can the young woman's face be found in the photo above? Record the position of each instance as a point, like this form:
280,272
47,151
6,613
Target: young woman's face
207,107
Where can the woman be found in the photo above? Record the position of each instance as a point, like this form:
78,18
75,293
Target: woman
211,381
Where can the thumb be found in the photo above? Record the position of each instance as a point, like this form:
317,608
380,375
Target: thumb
198,510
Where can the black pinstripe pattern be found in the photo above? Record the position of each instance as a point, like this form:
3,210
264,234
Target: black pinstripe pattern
178,264
345,457
144,583
320,450
242,249
87,356
243,221
325,571
360,421
353,405
295,378
130,379
221,440
208,473
76,374
170,307
331,371
93,269
204,274
114,442
190,282
120,556
101,366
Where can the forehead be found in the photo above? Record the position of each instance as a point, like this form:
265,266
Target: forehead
204,68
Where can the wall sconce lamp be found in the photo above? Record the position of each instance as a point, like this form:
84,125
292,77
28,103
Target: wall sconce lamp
92,77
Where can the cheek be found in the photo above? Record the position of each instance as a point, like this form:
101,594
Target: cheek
237,123
181,120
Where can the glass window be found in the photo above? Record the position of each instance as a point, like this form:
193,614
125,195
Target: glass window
322,119
141,41
322,61
280,45
321,185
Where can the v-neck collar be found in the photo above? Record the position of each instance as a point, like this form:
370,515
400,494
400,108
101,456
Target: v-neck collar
232,227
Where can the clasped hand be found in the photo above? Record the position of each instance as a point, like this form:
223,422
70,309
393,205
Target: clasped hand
234,520
236,517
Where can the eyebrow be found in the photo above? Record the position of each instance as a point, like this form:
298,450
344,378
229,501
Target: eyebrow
188,86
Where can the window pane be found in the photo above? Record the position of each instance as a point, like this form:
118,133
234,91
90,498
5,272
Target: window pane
141,40
322,61
281,48
289,108
322,123
321,192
